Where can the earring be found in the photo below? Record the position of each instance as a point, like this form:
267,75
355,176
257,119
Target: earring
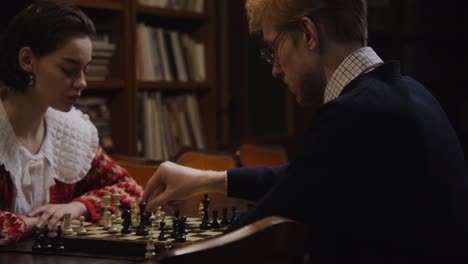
31,80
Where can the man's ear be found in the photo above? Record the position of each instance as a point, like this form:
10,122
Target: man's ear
310,32
25,59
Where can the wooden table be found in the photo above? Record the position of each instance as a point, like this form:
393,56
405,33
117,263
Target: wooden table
21,252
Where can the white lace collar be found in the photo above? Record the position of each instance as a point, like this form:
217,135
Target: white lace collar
69,146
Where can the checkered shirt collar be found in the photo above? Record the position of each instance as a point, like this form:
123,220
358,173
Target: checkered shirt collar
354,65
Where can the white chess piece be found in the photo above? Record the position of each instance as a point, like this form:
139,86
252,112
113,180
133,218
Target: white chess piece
106,199
112,228
150,249
106,220
67,229
81,230
116,201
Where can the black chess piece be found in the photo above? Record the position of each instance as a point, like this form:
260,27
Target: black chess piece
142,230
162,227
175,227
177,214
205,224
127,222
37,246
46,244
225,221
234,214
205,201
59,248
215,223
181,238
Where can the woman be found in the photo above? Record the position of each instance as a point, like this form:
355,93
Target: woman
50,149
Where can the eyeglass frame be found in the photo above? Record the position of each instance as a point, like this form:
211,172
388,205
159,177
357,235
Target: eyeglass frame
268,53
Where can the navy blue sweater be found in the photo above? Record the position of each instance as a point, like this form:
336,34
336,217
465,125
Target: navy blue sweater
381,177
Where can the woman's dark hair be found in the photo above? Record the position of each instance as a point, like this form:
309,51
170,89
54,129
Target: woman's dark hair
44,26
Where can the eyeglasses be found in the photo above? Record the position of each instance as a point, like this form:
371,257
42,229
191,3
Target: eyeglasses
268,53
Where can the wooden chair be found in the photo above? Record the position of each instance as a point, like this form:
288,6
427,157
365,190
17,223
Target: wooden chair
208,160
251,155
141,169
270,240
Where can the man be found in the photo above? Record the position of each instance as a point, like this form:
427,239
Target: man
381,177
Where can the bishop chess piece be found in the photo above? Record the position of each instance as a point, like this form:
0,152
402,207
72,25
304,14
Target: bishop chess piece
67,229
127,223
81,230
117,213
58,241
141,229
215,223
106,199
224,221
46,244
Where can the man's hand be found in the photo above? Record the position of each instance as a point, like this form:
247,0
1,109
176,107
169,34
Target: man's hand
172,182
52,214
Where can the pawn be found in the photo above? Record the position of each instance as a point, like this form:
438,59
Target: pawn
37,246
162,235
59,248
181,238
81,230
112,228
225,221
150,249
175,227
215,223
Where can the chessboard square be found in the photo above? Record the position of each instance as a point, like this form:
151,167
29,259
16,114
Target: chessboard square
98,235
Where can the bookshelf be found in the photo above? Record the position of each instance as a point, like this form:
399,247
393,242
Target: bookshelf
122,86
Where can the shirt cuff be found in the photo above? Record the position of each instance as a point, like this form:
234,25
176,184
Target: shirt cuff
225,182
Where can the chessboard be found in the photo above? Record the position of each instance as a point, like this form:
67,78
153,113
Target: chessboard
99,242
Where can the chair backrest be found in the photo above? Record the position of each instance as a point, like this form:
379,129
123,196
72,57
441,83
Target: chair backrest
252,155
141,169
208,160
273,239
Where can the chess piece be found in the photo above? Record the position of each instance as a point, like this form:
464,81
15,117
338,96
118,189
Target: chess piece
46,245
215,223
234,214
67,229
112,228
105,205
37,246
141,229
117,213
150,249
59,248
200,211
81,230
224,221
106,220
135,215
127,223
162,235
175,227
181,238
205,224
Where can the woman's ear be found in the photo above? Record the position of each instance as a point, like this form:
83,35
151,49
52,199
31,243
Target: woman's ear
310,31
25,59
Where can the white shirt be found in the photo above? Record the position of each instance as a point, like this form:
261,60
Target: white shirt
66,153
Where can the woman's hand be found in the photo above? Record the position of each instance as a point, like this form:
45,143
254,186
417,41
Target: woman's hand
52,214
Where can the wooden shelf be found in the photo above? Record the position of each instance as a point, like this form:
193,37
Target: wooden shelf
106,84
172,86
171,14
99,4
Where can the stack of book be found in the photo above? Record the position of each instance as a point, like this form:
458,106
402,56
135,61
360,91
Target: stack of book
98,112
168,55
169,124
196,6
103,51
